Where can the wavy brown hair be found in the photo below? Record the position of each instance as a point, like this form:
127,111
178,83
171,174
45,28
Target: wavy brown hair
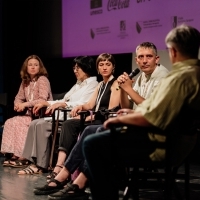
24,74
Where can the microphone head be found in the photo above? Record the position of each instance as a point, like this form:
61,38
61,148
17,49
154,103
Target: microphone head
134,73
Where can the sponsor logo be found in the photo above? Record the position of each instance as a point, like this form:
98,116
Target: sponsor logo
92,34
99,31
117,4
142,1
95,5
138,27
177,20
174,21
148,24
122,26
96,12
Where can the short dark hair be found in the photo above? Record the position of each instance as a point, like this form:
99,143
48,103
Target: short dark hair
104,57
186,40
86,63
149,45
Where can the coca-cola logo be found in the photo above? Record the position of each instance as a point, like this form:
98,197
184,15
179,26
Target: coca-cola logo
117,4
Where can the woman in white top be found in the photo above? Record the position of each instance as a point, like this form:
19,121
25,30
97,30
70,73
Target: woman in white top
37,146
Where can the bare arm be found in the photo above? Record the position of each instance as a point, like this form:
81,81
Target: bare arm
126,89
114,97
135,96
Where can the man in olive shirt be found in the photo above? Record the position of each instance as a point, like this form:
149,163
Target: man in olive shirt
171,106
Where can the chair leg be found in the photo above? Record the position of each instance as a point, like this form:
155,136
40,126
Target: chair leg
127,191
135,183
168,182
175,187
126,194
187,179
132,187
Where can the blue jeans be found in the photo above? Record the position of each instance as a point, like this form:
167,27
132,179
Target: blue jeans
75,158
108,152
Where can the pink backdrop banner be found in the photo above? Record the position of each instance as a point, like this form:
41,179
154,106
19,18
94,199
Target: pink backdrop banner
90,27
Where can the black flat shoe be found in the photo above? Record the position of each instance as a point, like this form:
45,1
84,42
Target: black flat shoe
70,192
46,189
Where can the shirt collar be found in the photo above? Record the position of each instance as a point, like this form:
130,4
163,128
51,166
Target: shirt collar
185,63
87,80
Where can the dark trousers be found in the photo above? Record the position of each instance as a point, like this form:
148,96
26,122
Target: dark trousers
106,152
75,159
69,133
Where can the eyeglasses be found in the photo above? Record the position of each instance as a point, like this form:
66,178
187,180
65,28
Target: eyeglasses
76,67
167,48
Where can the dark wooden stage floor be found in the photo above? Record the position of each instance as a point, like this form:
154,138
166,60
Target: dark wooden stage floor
20,187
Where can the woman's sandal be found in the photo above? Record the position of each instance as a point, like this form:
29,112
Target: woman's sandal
19,163
71,191
8,157
6,163
46,189
53,174
30,170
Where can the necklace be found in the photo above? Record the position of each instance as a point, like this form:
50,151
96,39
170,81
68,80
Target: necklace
100,94
31,91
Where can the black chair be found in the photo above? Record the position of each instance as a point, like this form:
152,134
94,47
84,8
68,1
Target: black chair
166,171
3,112
58,96
56,128
3,105
56,124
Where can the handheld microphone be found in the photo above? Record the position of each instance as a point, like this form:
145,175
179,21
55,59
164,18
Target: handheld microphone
131,75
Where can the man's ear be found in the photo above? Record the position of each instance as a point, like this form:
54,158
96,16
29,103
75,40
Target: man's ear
136,60
157,59
173,52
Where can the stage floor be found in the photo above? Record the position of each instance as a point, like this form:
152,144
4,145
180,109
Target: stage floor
20,187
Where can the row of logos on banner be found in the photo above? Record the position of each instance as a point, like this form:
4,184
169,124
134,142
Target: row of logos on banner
122,30
141,25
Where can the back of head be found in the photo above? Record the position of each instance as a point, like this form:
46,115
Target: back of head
185,39
86,63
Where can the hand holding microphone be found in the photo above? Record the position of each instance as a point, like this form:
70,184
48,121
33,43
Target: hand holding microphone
131,75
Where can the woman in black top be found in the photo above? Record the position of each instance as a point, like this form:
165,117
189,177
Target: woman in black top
105,96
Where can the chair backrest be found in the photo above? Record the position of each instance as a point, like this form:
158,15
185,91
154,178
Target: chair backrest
58,96
3,99
55,129
3,112
170,172
3,105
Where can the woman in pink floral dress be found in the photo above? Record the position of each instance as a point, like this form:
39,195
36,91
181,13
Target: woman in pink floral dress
35,87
